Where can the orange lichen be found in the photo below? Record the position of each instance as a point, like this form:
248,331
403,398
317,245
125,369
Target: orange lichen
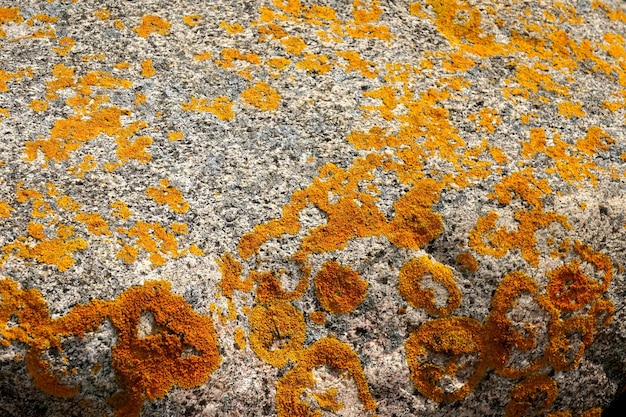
231,29
65,46
467,261
277,333
5,209
262,96
203,56
327,400
339,288
152,24
415,272
229,55
38,105
314,63
147,70
318,317
278,62
170,195
221,107
192,20
293,45
356,63
328,352
174,136
102,14
569,109
120,209
534,393
461,340
240,338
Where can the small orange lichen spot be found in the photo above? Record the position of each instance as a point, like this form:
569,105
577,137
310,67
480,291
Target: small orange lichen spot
4,113
262,96
128,254
231,29
318,317
65,46
426,64
192,20
278,62
133,149
339,288
569,109
10,14
240,338
68,204
410,285
203,56
169,195
152,24
119,25
157,259
582,205
355,63
5,209
38,105
195,250
96,368
526,117
102,14
467,261
174,136
121,210
314,63
147,70
140,98
93,57
95,223
36,230
458,62
87,164
179,228
221,107
293,45
277,333
122,65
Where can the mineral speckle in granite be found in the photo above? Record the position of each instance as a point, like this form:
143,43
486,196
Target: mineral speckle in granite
312,208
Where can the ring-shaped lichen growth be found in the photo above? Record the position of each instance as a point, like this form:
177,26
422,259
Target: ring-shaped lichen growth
414,272
461,341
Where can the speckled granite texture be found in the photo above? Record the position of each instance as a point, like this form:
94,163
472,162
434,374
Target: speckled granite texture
312,208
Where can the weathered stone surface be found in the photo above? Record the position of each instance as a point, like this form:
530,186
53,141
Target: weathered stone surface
296,208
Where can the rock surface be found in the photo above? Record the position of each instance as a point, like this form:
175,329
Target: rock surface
300,208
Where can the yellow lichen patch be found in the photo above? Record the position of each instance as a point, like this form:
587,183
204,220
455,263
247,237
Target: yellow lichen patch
195,250
121,210
467,261
277,333
6,77
231,273
461,340
314,63
293,45
221,107
327,400
127,254
387,96
122,65
4,113
278,62
356,63
339,288
152,24
229,55
325,352
102,14
318,317
147,70
262,96
528,393
65,46
38,105
87,164
458,62
10,14
240,338
192,20
203,56
140,98
5,209
231,29
56,251
488,119
414,272
96,225
175,136
569,109
133,149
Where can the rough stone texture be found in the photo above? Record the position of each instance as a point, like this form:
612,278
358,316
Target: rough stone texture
174,175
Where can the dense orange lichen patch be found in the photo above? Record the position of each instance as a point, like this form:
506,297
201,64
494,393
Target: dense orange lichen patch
416,271
534,393
231,29
192,20
152,24
467,261
5,209
38,105
262,96
147,70
146,367
168,194
277,333
339,288
221,107
95,223
458,338
328,352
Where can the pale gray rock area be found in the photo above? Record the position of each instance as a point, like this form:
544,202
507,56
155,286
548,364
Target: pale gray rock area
239,173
